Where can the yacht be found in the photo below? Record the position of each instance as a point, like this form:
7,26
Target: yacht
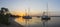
27,15
45,17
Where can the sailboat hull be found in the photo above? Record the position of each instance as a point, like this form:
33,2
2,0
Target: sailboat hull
27,17
45,18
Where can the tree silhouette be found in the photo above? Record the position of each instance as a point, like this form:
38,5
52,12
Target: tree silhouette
4,15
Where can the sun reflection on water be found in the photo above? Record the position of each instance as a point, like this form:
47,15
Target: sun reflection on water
31,21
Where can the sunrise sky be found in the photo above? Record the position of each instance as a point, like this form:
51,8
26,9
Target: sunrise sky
35,6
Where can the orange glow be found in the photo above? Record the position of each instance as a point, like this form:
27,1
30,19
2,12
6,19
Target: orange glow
18,13
21,20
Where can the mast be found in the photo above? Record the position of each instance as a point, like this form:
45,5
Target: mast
47,7
28,11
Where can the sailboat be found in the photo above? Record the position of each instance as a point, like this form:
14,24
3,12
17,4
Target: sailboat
45,17
27,15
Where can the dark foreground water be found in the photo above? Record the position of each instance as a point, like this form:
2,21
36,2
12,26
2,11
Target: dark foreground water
37,22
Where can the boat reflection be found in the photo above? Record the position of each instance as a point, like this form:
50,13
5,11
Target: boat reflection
44,22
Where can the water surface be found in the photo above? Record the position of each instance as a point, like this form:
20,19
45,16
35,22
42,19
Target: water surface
37,22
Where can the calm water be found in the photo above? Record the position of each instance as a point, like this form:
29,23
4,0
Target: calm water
37,22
